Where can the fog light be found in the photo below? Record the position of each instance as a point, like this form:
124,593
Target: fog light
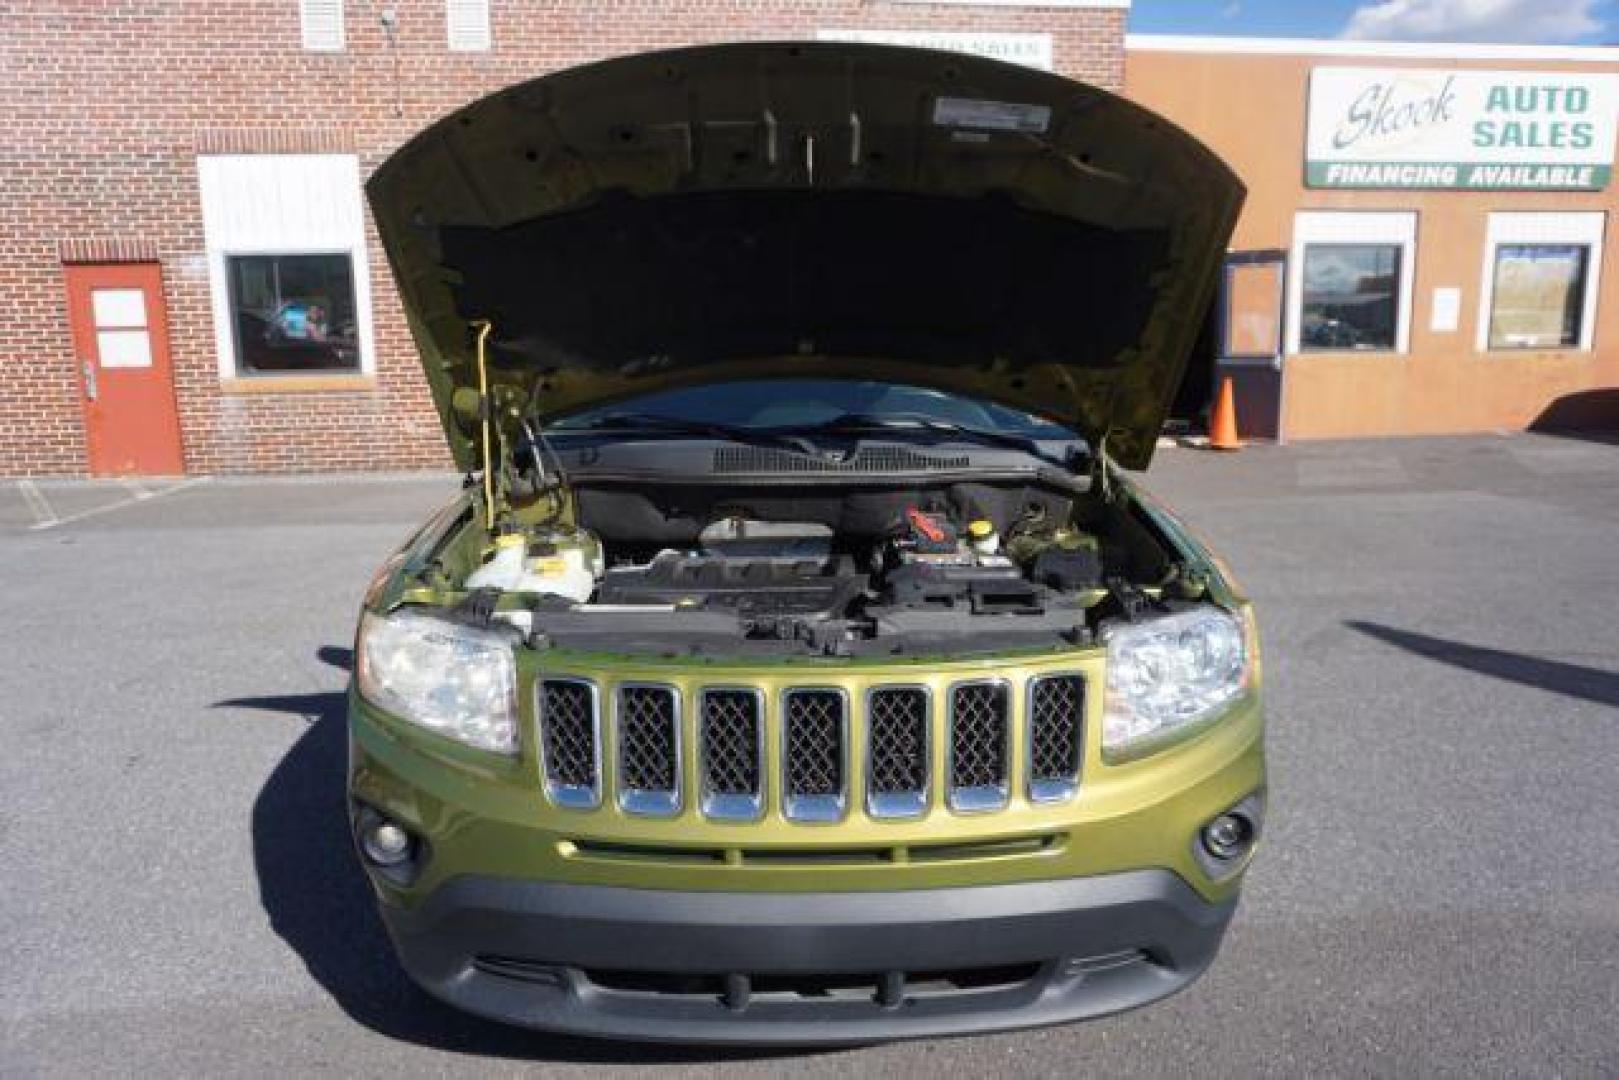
1227,836
386,844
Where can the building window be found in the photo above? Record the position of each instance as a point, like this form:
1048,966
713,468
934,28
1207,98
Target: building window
1351,297
1349,281
293,313
467,23
1539,281
288,276
1539,296
322,24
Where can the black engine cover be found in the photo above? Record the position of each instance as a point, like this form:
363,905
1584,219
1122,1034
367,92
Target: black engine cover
814,586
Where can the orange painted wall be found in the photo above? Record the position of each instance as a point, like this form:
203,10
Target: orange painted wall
1251,109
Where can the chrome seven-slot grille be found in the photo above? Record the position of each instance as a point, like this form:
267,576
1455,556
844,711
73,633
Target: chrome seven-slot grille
649,769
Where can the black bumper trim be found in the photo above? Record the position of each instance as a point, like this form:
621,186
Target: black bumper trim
558,933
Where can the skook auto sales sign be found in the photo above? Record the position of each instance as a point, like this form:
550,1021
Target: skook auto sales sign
1468,129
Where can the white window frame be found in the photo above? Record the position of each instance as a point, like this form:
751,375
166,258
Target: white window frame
466,25
1398,227
320,24
1512,228
282,204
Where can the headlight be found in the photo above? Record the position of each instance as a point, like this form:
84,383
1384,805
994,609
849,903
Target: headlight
457,681
1170,672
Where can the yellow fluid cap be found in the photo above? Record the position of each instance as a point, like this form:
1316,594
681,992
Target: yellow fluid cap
980,529
503,542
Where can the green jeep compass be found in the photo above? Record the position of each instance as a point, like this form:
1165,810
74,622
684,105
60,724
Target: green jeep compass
797,665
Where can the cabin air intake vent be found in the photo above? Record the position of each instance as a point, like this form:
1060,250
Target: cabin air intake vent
869,459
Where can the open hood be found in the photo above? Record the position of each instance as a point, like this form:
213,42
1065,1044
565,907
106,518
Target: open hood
807,210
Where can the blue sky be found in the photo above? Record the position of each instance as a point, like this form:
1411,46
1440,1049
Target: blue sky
1584,22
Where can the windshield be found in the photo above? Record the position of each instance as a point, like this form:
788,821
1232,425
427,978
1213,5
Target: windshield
766,404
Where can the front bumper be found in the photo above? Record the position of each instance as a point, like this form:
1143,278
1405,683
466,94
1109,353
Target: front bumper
806,968
601,922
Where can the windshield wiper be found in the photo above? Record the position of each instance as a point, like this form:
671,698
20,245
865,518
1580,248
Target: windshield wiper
652,423
1054,471
856,422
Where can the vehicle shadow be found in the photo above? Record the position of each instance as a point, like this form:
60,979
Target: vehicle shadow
1572,680
1586,414
319,902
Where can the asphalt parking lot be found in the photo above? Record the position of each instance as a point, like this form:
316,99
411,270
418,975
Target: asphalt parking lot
1439,893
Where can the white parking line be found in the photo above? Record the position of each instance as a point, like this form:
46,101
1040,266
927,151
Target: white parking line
135,488
140,496
44,515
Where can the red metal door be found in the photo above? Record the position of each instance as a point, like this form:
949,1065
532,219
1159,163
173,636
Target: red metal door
126,375
1252,309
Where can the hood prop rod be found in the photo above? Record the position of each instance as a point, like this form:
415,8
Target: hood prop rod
1103,468
485,411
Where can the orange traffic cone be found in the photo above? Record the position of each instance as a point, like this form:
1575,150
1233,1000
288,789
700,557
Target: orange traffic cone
1223,424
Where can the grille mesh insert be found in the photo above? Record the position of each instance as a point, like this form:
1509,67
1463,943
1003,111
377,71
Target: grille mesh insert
730,725
898,724
1056,709
568,724
978,735
813,727
647,738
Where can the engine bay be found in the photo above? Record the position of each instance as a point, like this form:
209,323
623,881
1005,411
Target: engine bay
726,570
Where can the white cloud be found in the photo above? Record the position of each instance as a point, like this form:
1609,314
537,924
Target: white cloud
1529,21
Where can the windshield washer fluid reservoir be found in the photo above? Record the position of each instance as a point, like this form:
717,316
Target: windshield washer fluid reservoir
566,564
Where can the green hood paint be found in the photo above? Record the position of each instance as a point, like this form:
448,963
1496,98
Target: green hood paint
791,210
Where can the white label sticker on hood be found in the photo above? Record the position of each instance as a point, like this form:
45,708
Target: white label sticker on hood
991,115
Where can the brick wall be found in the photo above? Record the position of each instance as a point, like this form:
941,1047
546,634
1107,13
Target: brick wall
108,102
